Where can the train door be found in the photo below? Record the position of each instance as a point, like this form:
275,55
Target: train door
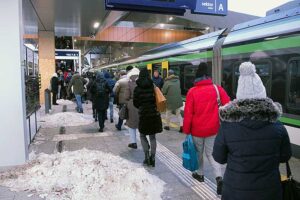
161,67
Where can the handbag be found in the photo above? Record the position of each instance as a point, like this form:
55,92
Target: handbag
160,100
290,187
123,113
189,155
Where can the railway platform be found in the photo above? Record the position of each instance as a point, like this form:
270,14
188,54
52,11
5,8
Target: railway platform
77,135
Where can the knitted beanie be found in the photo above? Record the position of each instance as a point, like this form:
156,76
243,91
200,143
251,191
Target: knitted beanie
250,85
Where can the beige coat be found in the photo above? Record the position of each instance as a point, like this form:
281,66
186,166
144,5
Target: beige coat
133,115
120,89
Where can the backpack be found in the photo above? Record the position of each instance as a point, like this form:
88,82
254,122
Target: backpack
100,89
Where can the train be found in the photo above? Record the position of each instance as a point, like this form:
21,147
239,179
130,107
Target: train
272,43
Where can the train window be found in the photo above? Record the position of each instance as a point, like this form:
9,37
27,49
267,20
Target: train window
293,86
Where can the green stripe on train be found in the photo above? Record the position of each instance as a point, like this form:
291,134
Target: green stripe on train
263,46
290,121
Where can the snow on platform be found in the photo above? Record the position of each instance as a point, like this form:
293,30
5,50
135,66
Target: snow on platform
83,174
65,119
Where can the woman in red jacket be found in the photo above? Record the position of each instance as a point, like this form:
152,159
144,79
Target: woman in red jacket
201,119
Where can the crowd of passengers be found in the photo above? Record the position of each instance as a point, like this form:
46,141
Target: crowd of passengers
244,133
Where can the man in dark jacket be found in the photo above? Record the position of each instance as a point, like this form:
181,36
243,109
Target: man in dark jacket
111,83
157,80
172,92
101,90
54,88
251,141
77,82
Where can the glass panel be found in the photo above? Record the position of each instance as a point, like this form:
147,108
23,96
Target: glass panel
294,85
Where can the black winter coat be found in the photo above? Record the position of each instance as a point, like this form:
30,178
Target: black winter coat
100,101
143,98
54,84
253,143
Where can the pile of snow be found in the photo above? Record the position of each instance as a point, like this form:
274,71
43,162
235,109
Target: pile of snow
65,119
66,137
83,174
64,102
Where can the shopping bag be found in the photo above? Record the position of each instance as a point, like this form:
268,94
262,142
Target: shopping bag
189,155
123,113
290,187
160,100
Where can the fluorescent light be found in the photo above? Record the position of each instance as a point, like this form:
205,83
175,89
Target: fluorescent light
272,38
171,18
207,28
96,24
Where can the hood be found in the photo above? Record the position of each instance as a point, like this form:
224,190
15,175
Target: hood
203,81
251,112
99,76
55,75
144,83
172,78
107,75
133,72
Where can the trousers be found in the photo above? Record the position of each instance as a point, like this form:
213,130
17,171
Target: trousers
145,143
206,144
177,114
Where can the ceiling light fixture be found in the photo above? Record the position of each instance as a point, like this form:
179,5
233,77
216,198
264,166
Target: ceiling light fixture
171,18
96,25
161,25
75,40
207,28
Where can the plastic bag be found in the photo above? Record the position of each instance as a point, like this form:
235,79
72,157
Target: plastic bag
189,155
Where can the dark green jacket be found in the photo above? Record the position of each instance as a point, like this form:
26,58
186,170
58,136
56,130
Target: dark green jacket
78,84
172,92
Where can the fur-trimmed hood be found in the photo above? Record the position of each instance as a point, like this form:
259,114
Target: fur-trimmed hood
264,110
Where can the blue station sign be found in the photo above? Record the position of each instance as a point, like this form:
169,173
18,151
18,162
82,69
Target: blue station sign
177,7
211,7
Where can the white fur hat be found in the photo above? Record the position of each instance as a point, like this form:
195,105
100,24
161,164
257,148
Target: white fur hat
134,71
250,85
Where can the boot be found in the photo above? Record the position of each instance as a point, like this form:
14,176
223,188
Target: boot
198,177
147,159
152,160
219,185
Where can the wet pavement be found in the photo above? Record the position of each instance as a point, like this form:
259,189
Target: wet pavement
179,183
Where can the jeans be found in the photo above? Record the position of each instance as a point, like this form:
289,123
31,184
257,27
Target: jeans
206,144
178,115
120,122
145,143
101,118
79,102
111,107
132,132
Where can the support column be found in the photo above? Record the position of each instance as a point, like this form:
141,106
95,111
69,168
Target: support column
13,131
46,60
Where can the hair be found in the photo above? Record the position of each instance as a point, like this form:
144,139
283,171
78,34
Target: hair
202,70
144,73
128,68
171,72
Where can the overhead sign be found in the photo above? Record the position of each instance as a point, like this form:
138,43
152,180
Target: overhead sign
211,7
70,53
177,7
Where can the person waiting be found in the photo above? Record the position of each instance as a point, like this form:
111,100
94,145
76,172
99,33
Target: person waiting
172,91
